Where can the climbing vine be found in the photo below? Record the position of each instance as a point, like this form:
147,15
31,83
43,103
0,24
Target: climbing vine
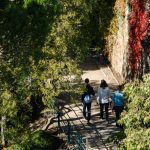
128,29
118,17
138,22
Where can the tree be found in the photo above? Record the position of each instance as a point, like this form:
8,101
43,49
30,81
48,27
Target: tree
41,44
30,63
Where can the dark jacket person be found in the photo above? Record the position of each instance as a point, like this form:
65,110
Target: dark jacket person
86,99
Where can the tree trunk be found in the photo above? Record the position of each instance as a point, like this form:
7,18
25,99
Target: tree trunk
2,130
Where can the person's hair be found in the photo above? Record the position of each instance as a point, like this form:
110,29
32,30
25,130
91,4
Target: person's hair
103,84
119,87
86,80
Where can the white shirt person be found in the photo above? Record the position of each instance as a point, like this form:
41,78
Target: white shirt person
103,96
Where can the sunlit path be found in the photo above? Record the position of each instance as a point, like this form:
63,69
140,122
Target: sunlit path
97,133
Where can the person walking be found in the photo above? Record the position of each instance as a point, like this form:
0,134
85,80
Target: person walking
103,96
118,103
87,100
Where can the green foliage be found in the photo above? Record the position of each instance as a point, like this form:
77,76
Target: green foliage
136,118
148,5
116,138
39,140
43,140
101,15
113,28
33,62
41,43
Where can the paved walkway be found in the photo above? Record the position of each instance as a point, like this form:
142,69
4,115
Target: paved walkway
99,130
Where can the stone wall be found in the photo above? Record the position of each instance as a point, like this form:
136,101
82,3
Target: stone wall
120,47
128,40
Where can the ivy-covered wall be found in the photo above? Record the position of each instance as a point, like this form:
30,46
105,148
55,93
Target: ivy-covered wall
117,41
127,41
138,22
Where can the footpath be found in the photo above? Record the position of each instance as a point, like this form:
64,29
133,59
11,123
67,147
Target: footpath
95,135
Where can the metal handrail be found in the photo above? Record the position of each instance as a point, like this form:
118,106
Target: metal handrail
81,145
72,134
83,124
93,126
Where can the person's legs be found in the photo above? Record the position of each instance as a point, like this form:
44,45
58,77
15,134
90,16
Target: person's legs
101,110
121,109
89,111
118,111
84,110
106,110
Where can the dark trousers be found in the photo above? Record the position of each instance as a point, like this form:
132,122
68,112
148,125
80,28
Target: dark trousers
87,110
102,106
118,111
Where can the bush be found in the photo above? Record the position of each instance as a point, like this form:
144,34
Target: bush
40,140
136,118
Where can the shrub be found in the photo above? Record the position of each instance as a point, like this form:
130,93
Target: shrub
136,118
40,140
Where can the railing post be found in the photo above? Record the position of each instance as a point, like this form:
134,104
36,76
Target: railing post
68,132
79,146
86,143
58,116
